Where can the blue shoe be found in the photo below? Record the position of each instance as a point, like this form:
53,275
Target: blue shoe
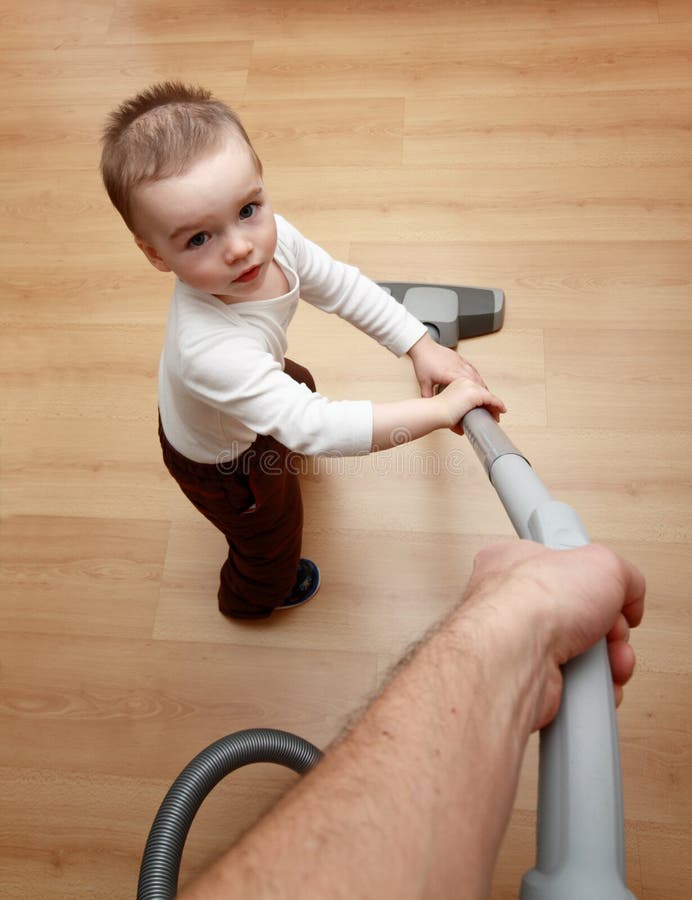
306,586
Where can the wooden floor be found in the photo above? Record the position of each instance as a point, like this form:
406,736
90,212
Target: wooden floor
543,147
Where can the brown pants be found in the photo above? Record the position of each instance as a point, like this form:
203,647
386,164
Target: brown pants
255,501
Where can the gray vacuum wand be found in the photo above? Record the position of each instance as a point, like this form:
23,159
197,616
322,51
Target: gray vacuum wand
580,848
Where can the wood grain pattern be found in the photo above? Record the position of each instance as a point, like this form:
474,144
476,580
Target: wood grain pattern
537,146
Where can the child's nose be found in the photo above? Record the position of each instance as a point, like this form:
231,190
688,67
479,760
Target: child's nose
236,247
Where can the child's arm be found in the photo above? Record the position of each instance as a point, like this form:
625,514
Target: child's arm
435,364
341,289
405,420
336,287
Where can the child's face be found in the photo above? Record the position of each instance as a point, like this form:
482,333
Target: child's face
213,225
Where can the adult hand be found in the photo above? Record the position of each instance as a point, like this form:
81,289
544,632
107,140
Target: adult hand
570,599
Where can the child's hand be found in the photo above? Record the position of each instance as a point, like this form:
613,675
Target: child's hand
462,395
437,365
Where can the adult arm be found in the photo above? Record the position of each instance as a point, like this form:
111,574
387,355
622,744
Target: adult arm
413,802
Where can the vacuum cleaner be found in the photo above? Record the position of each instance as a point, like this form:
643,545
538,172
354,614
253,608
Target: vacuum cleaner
580,848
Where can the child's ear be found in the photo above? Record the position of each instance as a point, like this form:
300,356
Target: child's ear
151,255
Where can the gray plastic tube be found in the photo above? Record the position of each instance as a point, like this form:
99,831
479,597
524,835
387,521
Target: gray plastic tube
158,874
580,847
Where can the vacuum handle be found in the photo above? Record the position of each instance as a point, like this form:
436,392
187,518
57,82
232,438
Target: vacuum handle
580,833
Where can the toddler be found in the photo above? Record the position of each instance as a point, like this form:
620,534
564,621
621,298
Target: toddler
181,171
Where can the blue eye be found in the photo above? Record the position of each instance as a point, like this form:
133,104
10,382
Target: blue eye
199,239
248,211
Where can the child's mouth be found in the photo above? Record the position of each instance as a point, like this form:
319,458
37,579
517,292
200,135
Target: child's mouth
250,275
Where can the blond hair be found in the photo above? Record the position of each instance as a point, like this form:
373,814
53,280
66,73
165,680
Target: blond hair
160,133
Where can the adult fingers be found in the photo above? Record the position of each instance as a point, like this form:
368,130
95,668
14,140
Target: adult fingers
622,661
634,590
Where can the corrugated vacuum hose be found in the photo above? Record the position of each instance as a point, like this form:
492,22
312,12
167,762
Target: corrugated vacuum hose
158,876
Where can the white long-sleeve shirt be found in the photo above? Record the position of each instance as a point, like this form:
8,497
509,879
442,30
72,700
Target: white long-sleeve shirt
221,377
